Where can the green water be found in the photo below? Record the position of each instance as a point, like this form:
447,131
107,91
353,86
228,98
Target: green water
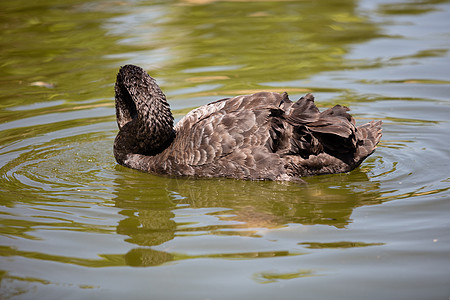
75,225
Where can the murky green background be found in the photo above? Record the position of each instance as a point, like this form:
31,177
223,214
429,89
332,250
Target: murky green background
75,225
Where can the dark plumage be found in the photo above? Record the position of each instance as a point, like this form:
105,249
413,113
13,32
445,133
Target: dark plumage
264,136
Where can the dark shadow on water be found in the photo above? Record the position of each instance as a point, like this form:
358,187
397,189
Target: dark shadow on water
150,204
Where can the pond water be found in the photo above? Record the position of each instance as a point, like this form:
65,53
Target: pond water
75,225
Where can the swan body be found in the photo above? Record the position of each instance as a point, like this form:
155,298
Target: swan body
263,136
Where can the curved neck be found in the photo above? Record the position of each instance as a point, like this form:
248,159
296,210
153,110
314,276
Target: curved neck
143,115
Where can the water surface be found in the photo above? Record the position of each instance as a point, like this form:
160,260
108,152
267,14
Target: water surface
76,225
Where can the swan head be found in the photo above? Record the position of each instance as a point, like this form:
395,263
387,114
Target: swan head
143,115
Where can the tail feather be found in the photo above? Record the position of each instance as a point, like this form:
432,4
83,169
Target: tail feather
314,142
368,136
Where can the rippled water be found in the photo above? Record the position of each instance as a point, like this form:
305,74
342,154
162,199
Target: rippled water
75,225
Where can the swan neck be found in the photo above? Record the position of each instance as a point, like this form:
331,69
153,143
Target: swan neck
143,115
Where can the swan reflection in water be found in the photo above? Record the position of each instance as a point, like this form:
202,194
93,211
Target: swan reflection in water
240,208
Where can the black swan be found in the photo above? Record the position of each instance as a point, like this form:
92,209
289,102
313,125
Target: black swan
264,136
